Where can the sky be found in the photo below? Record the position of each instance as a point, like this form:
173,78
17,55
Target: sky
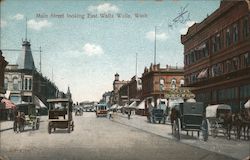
85,42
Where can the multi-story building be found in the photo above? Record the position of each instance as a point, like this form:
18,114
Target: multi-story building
117,84
3,64
217,55
156,81
24,84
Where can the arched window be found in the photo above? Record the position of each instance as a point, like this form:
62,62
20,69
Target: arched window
162,82
30,84
173,83
5,83
182,82
15,84
26,84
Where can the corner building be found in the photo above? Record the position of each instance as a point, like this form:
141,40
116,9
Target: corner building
217,56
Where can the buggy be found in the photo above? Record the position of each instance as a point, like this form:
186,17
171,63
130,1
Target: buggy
215,115
60,114
189,116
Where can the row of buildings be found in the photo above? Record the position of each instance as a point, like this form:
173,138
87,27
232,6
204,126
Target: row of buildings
216,64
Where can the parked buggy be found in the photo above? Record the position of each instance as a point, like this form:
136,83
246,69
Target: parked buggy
189,116
26,115
216,115
60,114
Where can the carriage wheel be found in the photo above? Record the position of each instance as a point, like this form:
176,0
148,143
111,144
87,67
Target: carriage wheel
72,125
37,124
204,129
69,127
33,125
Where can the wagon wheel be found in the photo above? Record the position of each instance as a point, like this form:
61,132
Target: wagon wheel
49,128
176,128
204,129
214,128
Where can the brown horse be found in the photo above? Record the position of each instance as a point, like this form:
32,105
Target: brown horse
174,116
245,123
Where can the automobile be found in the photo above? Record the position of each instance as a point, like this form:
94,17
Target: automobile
60,114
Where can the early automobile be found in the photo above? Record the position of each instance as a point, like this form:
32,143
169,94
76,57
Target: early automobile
215,114
101,110
26,115
60,114
189,116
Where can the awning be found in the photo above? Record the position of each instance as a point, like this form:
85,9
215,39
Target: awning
8,104
132,105
202,74
38,102
247,104
191,100
141,105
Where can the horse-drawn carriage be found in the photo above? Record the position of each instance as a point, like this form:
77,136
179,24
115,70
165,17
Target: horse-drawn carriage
219,120
78,111
60,114
26,115
189,116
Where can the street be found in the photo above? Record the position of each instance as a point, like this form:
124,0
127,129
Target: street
96,138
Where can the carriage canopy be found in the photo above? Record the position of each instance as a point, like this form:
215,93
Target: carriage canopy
247,104
211,111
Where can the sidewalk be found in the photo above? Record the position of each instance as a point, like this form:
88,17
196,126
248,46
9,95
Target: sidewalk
6,125
239,149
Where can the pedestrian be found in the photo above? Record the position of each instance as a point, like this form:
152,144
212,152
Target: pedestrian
110,114
129,113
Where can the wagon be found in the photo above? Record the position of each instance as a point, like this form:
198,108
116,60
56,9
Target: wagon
215,115
26,115
189,116
60,114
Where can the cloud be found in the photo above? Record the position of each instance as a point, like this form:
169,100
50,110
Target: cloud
3,23
38,25
105,7
187,25
92,49
159,36
18,16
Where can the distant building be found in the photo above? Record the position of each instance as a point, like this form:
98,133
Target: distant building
217,55
106,97
3,64
117,84
156,82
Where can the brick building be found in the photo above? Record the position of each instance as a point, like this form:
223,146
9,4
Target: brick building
3,64
117,84
217,55
156,81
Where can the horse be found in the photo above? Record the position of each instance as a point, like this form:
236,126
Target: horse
174,116
245,123
227,123
19,122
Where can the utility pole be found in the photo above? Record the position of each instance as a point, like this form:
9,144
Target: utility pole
155,47
40,63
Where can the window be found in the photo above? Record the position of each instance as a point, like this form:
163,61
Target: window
235,33
26,84
173,83
228,38
182,82
235,64
30,84
218,42
15,84
162,84
246,60
214,49
6,84
246,27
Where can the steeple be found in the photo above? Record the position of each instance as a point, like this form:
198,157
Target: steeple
25,59
68,94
